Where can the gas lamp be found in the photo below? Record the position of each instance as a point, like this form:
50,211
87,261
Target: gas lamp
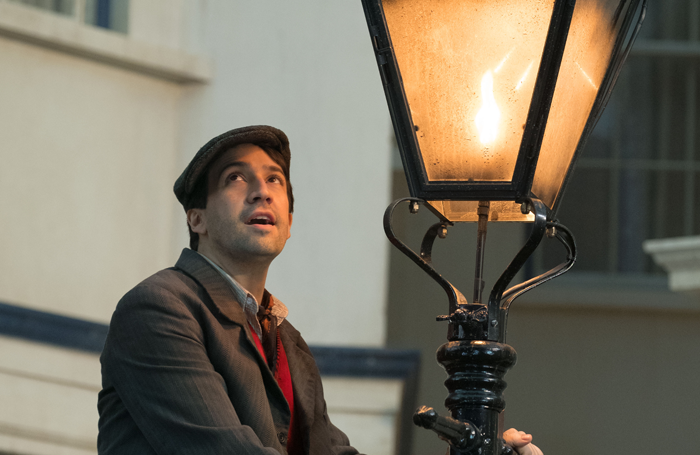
491,102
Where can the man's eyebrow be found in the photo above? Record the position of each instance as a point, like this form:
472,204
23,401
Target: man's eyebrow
275,168
232,164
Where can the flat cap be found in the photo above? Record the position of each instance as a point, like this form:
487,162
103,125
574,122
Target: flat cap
260,135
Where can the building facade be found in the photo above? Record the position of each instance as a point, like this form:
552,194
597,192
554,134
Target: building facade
102,104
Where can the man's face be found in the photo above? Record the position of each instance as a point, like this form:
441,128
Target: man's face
247,215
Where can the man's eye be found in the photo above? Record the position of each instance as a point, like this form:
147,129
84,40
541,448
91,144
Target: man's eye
275,179
234,177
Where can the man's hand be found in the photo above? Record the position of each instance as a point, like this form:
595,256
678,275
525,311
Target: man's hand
521,442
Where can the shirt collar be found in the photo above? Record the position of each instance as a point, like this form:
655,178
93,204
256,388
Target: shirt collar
248,302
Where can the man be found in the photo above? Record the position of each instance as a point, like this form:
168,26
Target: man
200,358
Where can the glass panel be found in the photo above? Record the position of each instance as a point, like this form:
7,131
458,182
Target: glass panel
634,217
465,211
675,204
469,69
57,6
668,20
109,14
594,27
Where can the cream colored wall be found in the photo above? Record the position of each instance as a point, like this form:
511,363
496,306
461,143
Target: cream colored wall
158,22
47,399
88,155
367,410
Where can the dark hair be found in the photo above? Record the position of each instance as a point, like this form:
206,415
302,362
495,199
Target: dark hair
200,192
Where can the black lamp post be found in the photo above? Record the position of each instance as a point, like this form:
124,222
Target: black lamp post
492,101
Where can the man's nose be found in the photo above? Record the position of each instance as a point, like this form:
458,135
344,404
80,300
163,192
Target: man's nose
259,190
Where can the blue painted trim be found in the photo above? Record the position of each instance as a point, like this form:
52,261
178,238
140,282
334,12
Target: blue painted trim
67,332
52,328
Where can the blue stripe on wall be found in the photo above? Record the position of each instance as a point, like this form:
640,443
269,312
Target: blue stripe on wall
52,328
72,333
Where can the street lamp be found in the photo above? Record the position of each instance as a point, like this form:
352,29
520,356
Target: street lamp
491,102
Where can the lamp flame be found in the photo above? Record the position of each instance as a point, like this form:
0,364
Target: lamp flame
488,116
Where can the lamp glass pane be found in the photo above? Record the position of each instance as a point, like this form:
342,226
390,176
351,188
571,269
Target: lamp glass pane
468,69
594,29
466,211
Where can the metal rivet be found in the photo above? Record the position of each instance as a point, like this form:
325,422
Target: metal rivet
551,232
442,232
413,207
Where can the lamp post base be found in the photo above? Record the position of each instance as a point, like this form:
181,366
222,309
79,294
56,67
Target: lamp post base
475,370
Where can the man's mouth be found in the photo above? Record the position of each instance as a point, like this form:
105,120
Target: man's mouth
261,220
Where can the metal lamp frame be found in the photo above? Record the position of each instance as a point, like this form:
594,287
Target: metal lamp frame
476,357
519,188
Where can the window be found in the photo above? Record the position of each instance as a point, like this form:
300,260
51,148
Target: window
639,175
109,14
57,6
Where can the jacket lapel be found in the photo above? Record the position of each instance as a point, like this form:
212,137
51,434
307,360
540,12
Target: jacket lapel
226,306
225,303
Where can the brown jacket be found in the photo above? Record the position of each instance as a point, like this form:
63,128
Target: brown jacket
181,374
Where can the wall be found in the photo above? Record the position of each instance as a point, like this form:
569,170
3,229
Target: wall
89,155
605,380
47,399
98,125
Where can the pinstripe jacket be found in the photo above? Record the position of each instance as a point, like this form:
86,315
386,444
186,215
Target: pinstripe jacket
181,375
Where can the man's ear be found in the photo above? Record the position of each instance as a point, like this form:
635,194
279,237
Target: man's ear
289,234
195,218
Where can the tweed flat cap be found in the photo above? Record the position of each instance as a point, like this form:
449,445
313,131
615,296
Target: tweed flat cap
260,135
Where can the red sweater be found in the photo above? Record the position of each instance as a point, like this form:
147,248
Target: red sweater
284,380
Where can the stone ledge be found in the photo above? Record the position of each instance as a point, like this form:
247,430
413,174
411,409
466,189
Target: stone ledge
680,257
64,34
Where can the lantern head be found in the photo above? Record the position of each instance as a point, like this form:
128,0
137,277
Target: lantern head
493,100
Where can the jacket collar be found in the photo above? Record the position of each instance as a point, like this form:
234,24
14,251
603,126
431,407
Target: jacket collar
223,297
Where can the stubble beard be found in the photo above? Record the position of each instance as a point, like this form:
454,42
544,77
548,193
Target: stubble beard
248,247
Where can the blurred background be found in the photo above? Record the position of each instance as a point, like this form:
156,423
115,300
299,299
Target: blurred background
103,103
